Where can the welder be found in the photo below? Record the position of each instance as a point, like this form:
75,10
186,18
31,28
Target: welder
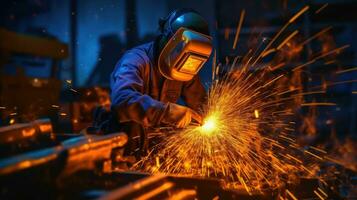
149,79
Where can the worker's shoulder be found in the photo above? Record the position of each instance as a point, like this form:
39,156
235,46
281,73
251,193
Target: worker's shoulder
139,54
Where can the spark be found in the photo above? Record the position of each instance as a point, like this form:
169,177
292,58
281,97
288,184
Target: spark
322,7
256,113
319,195
209,125
316,35
336,50
226,33
297,15
318,104
312,154
230,140
73,90
318,149
347,70
291,194
242,14
322,192
277,66
247,136
287,39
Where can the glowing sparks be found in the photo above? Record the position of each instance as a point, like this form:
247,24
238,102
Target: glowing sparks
321,8
287,39
347,70
319,195
291,195
247,136
242,14
230,144
256,113
318,104
209,125
297,15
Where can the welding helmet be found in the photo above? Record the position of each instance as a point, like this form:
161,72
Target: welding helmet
185,45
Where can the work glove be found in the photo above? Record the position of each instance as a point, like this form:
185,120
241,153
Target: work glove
180,116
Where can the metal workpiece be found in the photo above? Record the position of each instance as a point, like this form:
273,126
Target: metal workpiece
51,166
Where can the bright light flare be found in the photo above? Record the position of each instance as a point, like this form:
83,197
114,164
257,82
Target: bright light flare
247,137
209,125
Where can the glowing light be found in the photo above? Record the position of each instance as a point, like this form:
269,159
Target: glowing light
256,113
209,125
191,65
246,138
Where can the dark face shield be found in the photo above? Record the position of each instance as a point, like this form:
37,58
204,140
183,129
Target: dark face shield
184,55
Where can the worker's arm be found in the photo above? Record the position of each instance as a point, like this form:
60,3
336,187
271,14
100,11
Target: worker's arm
194,94
129,102
127,96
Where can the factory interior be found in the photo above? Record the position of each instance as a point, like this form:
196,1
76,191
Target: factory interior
269,100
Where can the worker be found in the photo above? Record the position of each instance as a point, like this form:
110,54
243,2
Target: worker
149,79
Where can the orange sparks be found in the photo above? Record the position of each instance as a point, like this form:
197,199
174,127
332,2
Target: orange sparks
291,194
347,70
319,195
268,52
256,113
247,137
316,35
227,33
298,14
322,192
242,14
287,39
321,8
318,104
318,149
314,155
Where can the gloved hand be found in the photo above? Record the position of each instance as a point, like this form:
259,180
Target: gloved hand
180,116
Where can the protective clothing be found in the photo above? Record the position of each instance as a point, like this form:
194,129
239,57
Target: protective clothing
141,94
142,98
182,115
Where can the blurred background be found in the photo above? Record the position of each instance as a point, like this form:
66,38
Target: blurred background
57,56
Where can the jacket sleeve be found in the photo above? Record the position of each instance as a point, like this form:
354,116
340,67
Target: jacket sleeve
127,87
194,94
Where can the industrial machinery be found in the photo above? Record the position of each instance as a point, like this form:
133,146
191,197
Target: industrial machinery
37,163
41,93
